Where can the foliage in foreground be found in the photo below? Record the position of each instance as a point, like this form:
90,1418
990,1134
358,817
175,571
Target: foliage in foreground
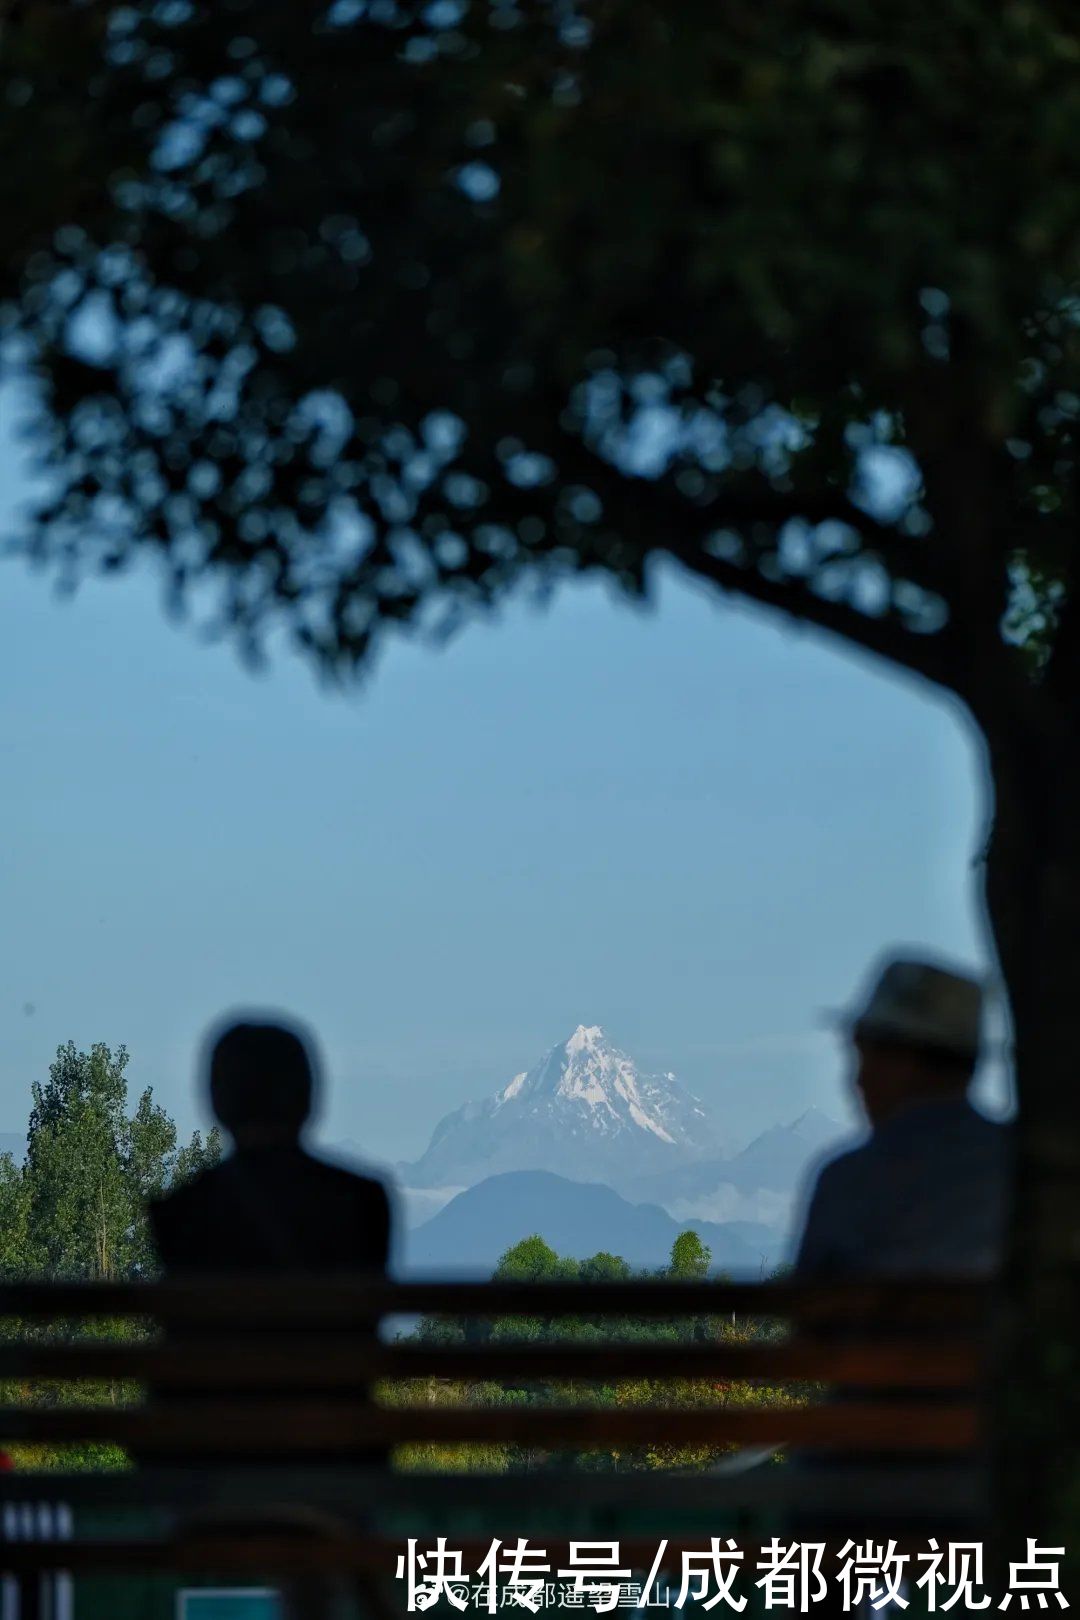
362,313
74,1209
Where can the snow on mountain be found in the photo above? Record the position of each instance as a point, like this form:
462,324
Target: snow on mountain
585,1111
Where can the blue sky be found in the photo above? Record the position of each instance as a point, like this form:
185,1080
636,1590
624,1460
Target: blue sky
689,825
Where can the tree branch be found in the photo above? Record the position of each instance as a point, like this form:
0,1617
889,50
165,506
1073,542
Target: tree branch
644,511
931,655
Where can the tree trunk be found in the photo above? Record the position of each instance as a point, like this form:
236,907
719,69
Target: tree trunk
1033,898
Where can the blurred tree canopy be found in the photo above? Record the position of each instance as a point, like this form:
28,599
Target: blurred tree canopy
361,313
364,311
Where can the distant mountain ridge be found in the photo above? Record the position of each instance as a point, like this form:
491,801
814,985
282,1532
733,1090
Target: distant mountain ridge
585,1111
772,1161
578,1219
762,1183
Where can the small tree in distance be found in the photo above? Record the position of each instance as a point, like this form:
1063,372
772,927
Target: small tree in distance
604,1267
690,1258
533,1260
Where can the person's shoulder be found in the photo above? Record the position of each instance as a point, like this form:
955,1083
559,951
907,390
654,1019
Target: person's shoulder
181,1213
968,1127
846,1169
836,1166
361,1184
834,1192
194,1190
184,1210
830,1177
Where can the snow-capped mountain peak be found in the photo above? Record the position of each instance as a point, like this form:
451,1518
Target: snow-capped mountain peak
585,1039
587,1069
584,1109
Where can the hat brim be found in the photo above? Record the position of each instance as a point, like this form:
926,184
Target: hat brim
845,1021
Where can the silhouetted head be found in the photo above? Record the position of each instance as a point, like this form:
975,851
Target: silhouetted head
893,1075
262,1082
916,1036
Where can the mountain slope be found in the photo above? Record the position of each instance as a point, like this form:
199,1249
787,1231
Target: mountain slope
759,1183
468,1236
778,1157
583,1111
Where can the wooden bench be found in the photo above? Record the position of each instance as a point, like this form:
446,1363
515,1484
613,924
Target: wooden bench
263,1479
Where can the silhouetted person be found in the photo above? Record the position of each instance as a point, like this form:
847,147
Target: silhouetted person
270,1205
926,1193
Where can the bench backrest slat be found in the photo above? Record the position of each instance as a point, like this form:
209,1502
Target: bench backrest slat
305,1300
310,1346
338,1362
304,1427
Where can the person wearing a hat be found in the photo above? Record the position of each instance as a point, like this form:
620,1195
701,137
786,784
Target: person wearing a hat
927,1191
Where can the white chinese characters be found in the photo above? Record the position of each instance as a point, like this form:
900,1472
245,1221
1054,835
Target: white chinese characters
868,1577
